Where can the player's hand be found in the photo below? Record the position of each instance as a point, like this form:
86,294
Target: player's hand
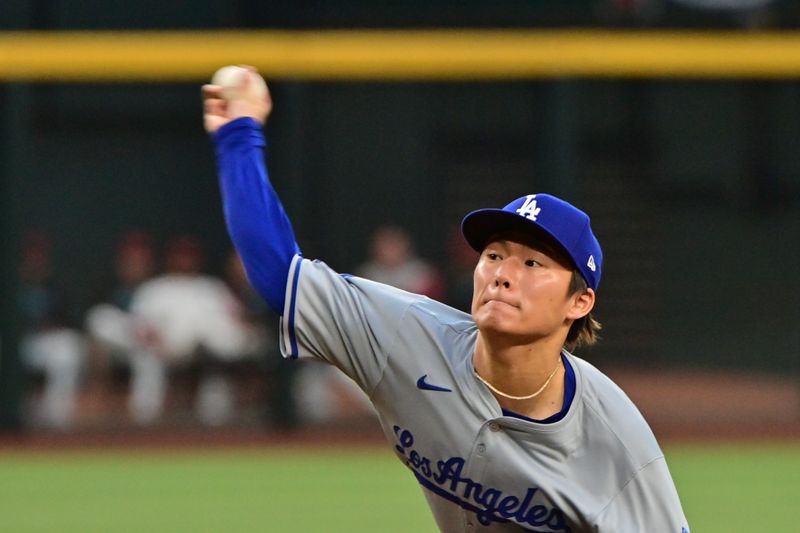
217,111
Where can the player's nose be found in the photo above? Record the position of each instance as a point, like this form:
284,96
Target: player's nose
503,276
502,282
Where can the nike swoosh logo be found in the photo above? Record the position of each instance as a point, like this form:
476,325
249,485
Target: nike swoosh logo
424,385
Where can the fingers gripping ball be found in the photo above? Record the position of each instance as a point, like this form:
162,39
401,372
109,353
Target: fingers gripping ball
235,85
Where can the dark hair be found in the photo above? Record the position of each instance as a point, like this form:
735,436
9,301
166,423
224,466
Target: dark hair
583,331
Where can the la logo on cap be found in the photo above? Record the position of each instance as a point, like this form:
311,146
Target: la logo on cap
591,264
529,209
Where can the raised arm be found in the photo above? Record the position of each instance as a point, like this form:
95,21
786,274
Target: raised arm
256,220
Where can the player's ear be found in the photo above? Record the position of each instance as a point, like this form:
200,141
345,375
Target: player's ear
581,304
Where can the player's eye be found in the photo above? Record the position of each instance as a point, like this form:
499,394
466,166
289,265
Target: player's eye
492,256
532,263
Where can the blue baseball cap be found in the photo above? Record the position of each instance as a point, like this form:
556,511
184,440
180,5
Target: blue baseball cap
568,226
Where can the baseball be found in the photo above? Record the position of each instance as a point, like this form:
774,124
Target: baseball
230,78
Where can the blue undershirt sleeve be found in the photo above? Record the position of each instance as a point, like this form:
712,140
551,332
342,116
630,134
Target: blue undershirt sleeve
256,220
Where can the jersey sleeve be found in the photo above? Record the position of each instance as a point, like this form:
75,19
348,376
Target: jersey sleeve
344,320
256,220
649,502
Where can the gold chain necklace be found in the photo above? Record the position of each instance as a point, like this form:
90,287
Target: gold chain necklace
528,397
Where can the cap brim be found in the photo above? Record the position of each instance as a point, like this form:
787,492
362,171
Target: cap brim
478,227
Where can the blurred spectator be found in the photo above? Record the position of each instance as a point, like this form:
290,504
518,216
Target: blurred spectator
691,13
184,317
732,5
751,14
135,263
109,324
280,405
48,345
393,262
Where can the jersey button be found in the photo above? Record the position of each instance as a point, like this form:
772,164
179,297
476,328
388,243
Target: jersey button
494,426
481,448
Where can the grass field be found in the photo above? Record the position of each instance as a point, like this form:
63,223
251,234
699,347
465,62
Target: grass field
725,489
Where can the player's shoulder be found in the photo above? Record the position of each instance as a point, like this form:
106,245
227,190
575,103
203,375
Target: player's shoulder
614,413
425,310
436,320
599,387
381,295
453,322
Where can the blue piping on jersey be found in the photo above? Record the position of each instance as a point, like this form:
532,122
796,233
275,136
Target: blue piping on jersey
293,301
569,395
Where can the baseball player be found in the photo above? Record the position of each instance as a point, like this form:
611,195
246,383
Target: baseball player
503,428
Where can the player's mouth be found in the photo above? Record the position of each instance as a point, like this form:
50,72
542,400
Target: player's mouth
499,302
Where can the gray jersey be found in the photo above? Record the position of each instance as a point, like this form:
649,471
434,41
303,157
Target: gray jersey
597,469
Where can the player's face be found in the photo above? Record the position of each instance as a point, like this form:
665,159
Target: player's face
521,290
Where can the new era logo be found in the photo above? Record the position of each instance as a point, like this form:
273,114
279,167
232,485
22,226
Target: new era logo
591,264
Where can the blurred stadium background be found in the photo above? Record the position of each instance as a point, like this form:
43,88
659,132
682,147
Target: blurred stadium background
674,123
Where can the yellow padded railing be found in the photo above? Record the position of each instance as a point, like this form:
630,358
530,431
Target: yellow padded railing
459,55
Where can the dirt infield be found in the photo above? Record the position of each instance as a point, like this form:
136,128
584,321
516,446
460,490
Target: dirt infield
714,405
680,406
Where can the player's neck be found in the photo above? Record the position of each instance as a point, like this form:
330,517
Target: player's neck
521,370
